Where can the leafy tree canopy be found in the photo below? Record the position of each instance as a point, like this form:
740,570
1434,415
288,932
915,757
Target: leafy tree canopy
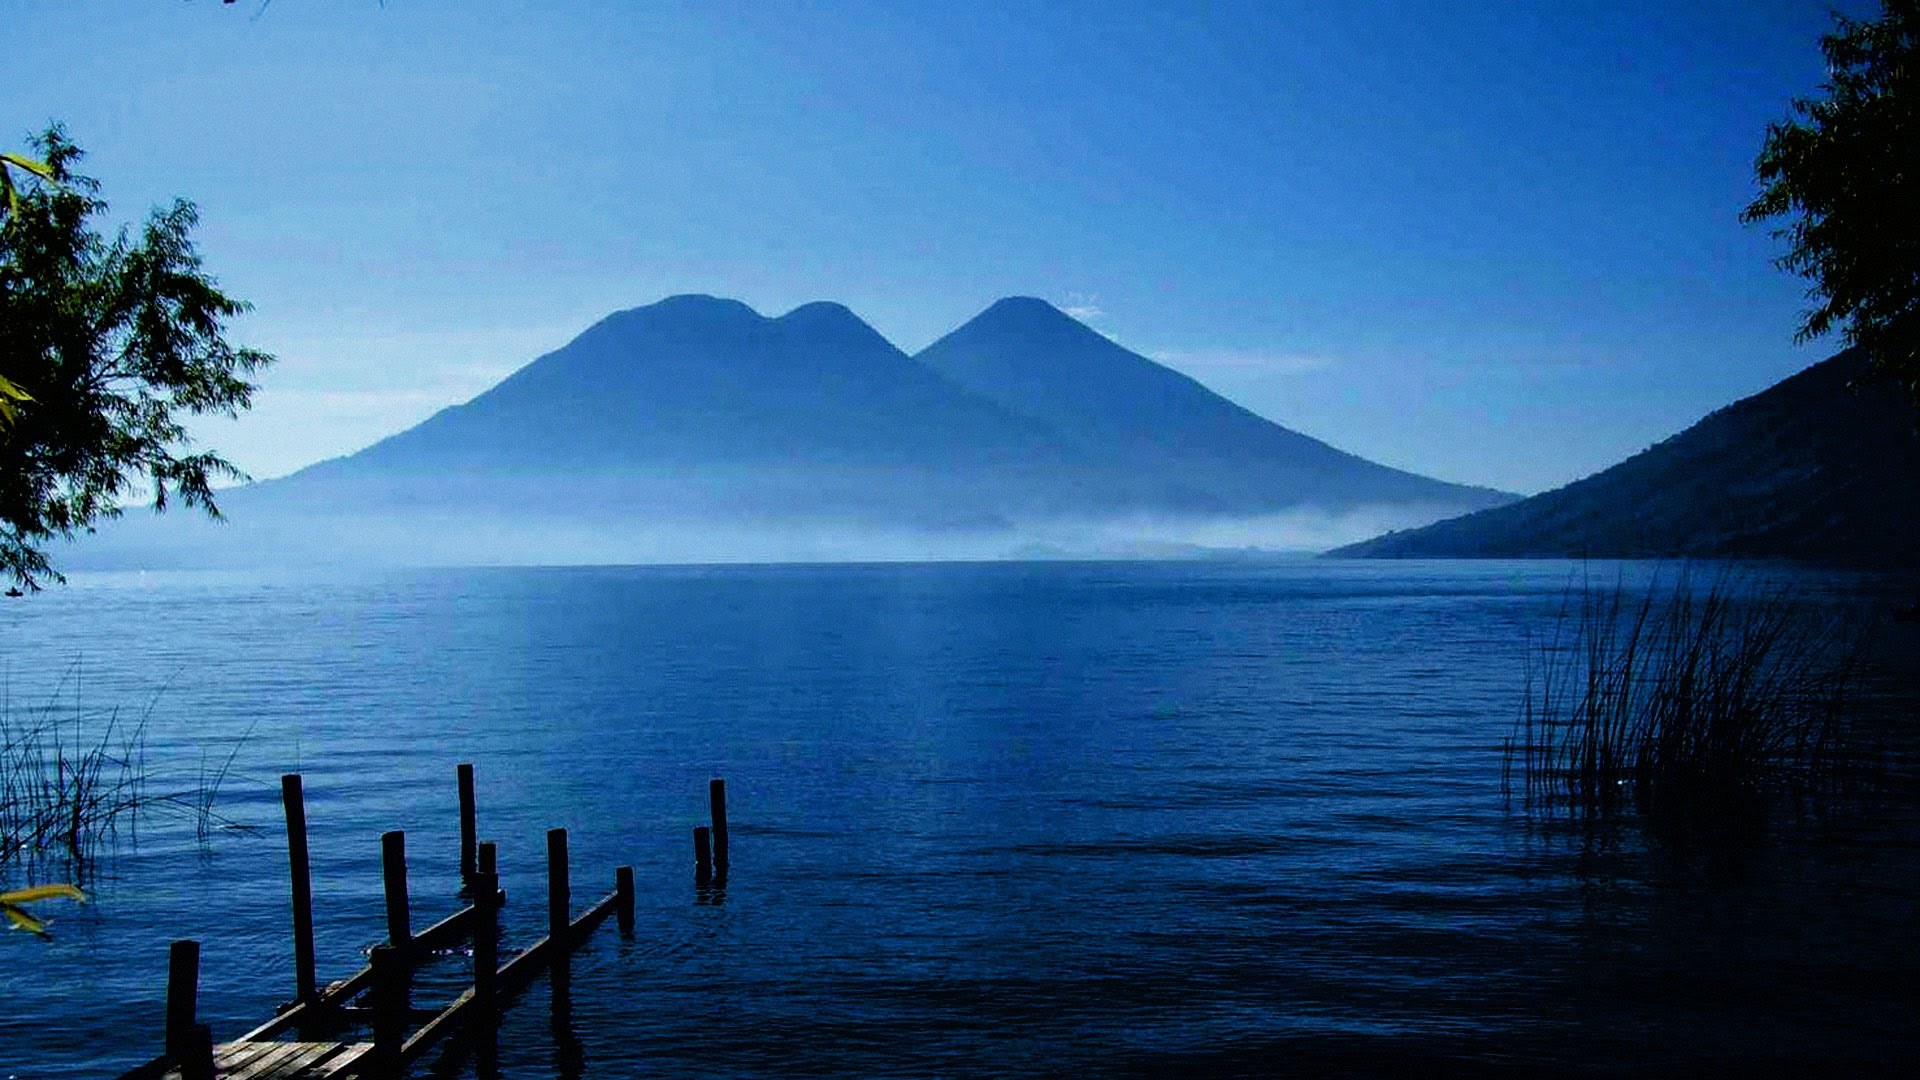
1845,173
113,342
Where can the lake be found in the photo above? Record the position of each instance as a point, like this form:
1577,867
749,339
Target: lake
1214,818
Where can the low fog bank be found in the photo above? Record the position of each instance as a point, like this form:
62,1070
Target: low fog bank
143,541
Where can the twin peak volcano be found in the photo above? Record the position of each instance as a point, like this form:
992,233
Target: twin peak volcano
1023,396
698,414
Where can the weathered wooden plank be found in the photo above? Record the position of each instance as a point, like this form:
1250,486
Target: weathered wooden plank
361,1014
345,1063
516,973
520,970
595,915
260,1055
296,1012
257,1055
274,1060
438,1028
453,928
297,1063
234,1055
261,1067
510,977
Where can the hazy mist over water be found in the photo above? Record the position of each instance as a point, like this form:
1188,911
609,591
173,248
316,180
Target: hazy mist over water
451,538
1147,818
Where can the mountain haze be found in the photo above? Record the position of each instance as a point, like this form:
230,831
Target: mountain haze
696,428
1820,467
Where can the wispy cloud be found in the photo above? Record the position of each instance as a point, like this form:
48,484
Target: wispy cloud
1086,308
1083,306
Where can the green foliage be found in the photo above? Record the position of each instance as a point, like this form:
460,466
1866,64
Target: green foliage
109,344
1846,173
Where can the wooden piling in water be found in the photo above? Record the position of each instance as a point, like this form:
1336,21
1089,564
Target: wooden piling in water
183,997
390,1008
623,904
486,944
196,1057
702,856
717,807
559,889
393,867
469,822
383,987
293,798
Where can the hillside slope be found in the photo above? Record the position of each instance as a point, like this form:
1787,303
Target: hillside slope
1809,469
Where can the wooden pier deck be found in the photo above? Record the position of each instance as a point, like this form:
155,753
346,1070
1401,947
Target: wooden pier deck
285,1061
376,998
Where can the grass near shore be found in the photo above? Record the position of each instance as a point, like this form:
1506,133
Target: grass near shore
1686,694
71,780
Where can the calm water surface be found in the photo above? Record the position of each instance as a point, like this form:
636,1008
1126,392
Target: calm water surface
1014,819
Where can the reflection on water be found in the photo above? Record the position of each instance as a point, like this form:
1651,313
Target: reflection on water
1125,819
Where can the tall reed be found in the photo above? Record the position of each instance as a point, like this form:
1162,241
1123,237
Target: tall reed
1684,693
70,779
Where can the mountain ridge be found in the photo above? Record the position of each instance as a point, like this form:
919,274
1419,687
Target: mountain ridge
1817,468
699,413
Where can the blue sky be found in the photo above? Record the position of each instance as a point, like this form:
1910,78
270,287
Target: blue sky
1492,243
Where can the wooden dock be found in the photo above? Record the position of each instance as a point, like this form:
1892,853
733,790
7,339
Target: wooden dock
286,1060
374,1002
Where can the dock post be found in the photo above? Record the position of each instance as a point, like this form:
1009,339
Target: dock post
486,944
717,804
196,1060
183,995
489,859
623,907
294,799
559,891
393,865
702,857
389,1008
469,828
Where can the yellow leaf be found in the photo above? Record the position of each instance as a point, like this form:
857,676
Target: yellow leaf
10,393
42,892
38,168
23,920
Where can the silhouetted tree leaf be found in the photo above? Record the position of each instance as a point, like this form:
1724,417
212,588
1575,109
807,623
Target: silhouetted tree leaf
117,340
1845,174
